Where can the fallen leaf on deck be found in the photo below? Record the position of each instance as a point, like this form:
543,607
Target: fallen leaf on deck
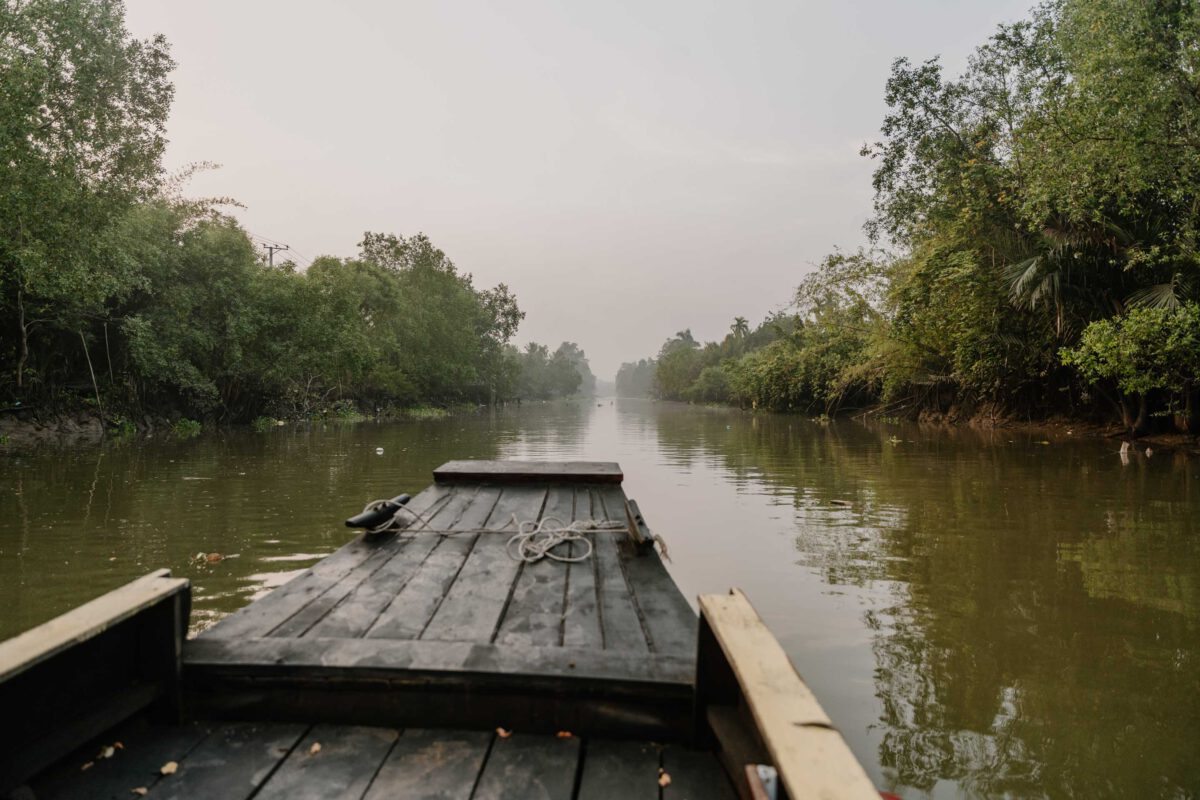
503,734
119,745
664,779
87,766
169,768
141,791
316,748
107,752
564,734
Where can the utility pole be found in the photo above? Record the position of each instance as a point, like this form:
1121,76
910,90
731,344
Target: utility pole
271,248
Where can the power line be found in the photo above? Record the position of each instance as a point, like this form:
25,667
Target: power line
271,248
268,243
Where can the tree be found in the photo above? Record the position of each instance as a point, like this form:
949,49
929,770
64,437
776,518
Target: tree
1147,350
82,118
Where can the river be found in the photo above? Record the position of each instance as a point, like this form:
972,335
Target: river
981,613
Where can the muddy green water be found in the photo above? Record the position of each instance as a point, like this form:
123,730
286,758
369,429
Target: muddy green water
981,614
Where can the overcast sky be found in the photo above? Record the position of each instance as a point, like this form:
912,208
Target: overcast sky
629,169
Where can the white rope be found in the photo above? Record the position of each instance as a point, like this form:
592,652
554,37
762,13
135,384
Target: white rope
533,541
538,539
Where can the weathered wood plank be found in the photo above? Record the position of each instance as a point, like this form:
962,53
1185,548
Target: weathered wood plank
304,620
231,763
342,767
267,613
638,529
534,615
358,611
409,612
669,621
811,757
407,616
624,769
138,763
476,600
319,607
612,500
528,472
532,767
698,775
619,618
27,650
400,659
560,503
78,675
581,613
431,765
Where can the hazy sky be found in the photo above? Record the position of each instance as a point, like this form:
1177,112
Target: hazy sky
629,169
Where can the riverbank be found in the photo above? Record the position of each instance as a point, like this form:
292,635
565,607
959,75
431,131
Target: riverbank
85,425
1062,428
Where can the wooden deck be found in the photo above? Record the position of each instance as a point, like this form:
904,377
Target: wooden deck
458,630
239,760
428,663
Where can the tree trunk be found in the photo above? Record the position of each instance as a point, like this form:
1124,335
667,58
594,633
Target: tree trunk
92,372
24,354
1186,420
1133,419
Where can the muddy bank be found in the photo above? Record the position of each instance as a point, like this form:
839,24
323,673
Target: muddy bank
1059,428
25,428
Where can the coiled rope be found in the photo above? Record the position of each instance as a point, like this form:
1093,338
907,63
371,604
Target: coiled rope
533,541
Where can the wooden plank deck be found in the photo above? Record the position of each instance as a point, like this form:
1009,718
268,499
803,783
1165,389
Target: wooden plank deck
430,663
240,760
455,627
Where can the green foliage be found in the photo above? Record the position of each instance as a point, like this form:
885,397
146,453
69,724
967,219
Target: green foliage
262,424
679,363
82,115
1048,193
636,378
1146,350
185,428
121,427
710,386
542,375
425,413
105,271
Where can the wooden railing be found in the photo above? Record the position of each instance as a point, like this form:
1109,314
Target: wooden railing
70,679
753,702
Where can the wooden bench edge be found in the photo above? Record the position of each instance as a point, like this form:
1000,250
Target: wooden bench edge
511,471
28,649
810,755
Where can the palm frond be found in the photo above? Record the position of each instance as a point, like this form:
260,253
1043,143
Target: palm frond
1160,295
1020,277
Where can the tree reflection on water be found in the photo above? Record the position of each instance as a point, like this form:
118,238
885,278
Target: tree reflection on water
1036,631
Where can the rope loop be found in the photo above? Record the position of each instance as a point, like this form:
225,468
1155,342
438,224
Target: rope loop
534,540
538,539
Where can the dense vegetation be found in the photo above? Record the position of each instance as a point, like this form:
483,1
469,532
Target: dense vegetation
1035,239
114,287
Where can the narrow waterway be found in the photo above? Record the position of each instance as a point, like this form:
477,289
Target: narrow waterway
982,614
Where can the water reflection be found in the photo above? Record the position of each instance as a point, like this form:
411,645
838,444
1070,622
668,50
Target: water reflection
982,613
1035,631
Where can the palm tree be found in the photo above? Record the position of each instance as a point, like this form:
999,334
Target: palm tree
740,328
